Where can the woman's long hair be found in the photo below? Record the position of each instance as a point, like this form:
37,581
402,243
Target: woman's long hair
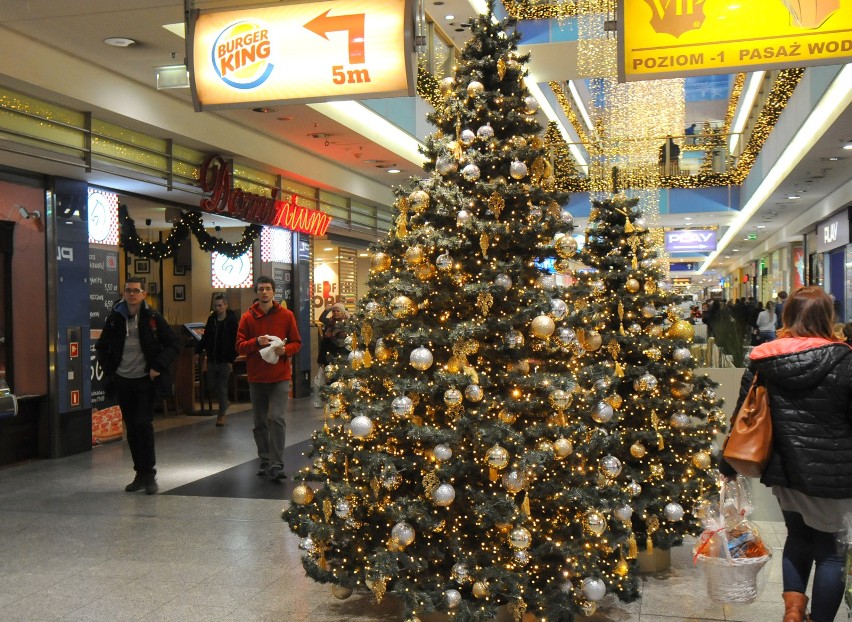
808,312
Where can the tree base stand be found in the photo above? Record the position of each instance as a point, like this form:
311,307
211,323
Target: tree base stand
656,561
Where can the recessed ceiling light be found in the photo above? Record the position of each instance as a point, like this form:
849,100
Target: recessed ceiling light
727,256
761,226
449,17
687,217
735,250
833,159
119,42
848,146
394,171
328,248
793,197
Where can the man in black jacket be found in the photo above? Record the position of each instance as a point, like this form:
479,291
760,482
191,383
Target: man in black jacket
219,340
136,349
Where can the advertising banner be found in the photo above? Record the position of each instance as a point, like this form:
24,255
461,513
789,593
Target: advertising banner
690,240
319,51
672,38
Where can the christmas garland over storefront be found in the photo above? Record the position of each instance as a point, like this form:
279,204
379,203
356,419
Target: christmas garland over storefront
189,222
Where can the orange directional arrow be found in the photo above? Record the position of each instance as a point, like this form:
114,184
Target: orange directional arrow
354,24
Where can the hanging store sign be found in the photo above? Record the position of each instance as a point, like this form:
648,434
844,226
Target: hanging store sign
833,233
229,201
685,240
319,51
674,38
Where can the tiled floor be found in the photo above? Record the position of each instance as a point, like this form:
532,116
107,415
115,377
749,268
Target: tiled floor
75,547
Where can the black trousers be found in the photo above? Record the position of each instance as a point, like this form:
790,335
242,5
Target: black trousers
136,399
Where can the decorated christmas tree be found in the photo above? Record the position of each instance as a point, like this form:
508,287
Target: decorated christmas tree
454,469
635,374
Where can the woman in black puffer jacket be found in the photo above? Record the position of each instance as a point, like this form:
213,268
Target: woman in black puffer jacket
808,376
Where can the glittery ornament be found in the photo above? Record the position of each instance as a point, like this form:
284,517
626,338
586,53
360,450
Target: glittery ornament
471,172
402,306
460,572
566,336
402,406
403,533
702,460
446,85
681,355
372,308
507,416
559,399
558,308
445,165
679,421
592,340
562,447
517,170
361,426
673,512
444,495
414,254
633,489
467,137
610,466
380,262
623,512
503,281
648,311
342,509
485,132
462,217
442,452
632,285
480,589
530,104
681,390
303,494
444,262
418,200
473,393
452,397
566,217
682,330
637,450
646,382
474,88
593,588
421,359
514,339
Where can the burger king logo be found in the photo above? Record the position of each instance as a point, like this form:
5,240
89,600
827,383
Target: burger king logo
241,54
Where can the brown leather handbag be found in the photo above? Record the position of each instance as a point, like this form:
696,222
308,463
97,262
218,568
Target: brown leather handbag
749,444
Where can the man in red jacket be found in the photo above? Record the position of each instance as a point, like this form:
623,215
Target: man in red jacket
268,337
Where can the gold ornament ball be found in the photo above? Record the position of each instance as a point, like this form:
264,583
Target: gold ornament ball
701,460
544,445
622,568
592,340
380,262
402,306
303,494
506,416
562,448
632,285
653,354
637,450
614,400
542,327
594,522
520,538
418,200
656,331
383,353
414,254
480,589
566,247
497,457
425,271
341,592
682,330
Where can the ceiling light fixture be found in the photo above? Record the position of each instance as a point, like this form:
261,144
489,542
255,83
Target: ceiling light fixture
793,197
393,170
172,77
746,104
119,42
449,17
847,146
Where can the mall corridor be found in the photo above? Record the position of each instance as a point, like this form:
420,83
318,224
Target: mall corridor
76,547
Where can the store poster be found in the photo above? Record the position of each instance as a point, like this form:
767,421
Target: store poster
103,294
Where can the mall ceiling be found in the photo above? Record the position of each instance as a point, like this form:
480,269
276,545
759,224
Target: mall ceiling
79,28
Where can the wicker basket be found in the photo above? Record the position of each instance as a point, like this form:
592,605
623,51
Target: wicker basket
732,580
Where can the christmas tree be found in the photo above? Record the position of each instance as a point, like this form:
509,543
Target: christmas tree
635,374
454,470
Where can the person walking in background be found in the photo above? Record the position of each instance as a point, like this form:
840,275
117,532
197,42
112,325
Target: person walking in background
808,378
220,342
766,324
135,350
268,336
669,157
332,344
779,307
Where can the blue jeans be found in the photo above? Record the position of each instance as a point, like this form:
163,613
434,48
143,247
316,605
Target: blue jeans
218,375
804,547
269,403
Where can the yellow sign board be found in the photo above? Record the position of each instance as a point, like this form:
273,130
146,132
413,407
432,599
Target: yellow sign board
319,51
672,38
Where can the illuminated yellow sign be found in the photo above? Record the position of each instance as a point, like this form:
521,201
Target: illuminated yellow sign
669,38
342,49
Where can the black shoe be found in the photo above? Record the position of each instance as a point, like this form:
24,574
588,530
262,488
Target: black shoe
277,473
151,487
263,470
137,484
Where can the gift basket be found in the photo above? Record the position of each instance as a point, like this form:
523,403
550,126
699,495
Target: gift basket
730,551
